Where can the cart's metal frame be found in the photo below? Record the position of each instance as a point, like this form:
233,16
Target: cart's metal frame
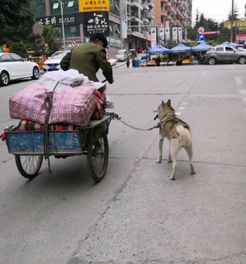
29,147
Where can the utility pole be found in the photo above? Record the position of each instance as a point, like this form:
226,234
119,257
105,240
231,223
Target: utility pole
55,6
123,23
62,21
232,19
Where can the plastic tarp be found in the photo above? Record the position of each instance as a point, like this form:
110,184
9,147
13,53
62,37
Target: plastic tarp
158,49
180,48
203,46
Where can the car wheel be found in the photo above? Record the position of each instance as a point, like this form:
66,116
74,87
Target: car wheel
35,73
4,78
212,61
242,60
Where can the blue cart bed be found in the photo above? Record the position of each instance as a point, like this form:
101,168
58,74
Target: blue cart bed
29,147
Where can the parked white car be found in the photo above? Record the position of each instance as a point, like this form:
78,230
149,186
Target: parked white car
53,63
13,67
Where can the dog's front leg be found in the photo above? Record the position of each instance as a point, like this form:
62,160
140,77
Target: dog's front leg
160,149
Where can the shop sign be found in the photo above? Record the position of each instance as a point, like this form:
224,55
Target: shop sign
96,22
56,20
94,5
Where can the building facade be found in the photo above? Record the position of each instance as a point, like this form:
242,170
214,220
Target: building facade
48,12
138,16
172,18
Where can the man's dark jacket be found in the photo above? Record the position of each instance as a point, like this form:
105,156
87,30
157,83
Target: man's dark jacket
87,59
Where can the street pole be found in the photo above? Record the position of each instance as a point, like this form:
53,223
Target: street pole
123,24
62,20
232,19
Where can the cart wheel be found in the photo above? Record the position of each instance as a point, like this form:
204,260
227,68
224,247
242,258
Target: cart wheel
28,165
97,156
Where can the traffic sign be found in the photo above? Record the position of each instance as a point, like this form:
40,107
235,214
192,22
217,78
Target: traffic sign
200,30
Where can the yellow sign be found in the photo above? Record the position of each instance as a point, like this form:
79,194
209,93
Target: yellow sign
236,23
93,5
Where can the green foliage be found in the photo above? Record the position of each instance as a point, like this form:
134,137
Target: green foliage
224,35
16,20
192,33
51,36
19,47
209,24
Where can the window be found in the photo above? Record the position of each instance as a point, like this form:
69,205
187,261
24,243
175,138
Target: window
229,49
219,49
16,57
69,7
6,57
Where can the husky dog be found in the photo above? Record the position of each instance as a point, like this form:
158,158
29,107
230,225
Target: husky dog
177,131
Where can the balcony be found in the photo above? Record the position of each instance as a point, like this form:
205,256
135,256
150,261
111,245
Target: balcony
150,3
150,15
136,19
146,21
135,3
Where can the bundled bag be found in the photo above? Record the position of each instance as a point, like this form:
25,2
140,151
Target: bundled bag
73,105
29,104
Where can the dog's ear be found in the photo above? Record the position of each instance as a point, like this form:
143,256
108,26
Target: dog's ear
156,117
169,102
162,103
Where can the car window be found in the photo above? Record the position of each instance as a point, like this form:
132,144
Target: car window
6,57
229,49
219,49
59,55
16,57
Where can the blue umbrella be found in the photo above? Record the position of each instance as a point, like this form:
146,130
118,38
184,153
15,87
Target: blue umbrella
158,49
180,48
203,46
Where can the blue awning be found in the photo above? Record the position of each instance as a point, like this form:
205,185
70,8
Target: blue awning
180,48
203,46
158,49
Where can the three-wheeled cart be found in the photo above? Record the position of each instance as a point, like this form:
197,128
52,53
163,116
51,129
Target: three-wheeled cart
31,147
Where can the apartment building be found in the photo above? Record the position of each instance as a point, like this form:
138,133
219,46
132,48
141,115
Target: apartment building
173,17
140,17
48,12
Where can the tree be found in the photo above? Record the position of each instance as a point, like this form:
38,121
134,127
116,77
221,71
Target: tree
192,33
51,36
209,24
16,20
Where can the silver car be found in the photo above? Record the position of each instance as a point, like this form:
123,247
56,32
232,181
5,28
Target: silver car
225,54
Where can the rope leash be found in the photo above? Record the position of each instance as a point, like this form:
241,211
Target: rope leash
115,116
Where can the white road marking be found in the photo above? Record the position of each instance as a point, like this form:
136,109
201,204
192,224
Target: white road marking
181,108
238,81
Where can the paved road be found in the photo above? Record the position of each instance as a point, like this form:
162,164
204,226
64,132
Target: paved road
137,215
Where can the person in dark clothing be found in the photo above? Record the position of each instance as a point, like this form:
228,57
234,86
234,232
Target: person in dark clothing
89,57
127,61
